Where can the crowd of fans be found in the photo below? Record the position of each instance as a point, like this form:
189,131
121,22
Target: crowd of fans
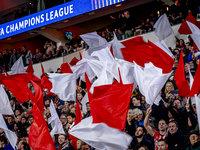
127,25
9,57
172,125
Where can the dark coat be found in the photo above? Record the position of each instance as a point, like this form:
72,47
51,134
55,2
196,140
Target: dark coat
175,141
135,145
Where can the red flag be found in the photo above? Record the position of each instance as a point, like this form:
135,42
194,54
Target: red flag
196,83
181,82
39,137
88,85
110,103
65,68
136,49
30,67
17,84
77,120
45,82
184,28
31,71
74,61
38,98
78,113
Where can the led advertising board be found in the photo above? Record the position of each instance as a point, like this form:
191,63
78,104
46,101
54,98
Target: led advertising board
52,15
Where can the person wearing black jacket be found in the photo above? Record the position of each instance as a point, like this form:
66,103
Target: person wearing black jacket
175,137
139,140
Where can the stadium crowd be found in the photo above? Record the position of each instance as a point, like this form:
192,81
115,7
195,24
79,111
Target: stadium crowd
172,125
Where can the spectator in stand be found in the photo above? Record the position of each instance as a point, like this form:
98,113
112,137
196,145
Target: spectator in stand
180,18
6,57
194,141
85,146
49,46
175,137
63,142
136,100
28,56
67,49
76,47
24,53
13,57
11,122
21,12
139,140
129,24
60,51
175,8
78,144
162,144
1,61
71,49
33,9
162,126
88,110
38,56
3,142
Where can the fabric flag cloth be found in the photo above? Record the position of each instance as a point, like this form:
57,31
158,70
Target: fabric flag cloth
196,83
38,98
12,138
195,33
191,82
100,135
197,100
45,82
5,107
18,66
107,106
165,48
30,70
65,68
136,49
184,28
150,80
179,76
91,66
163,28
77,120
64,85
54,120
39,137
116,46
17,84
83,102
93,39
74,61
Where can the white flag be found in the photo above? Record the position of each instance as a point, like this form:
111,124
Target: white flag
83,102
93,39
18,66
150,81
64,85
5,107
101,136
12,138
197,100
195,33
191,82
163,28
54,120
117,45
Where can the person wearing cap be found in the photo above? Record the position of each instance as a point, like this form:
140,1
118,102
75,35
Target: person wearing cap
194,140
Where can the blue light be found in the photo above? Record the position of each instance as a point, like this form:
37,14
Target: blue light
52,15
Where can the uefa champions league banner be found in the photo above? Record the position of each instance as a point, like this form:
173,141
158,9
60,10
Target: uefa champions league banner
52,15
